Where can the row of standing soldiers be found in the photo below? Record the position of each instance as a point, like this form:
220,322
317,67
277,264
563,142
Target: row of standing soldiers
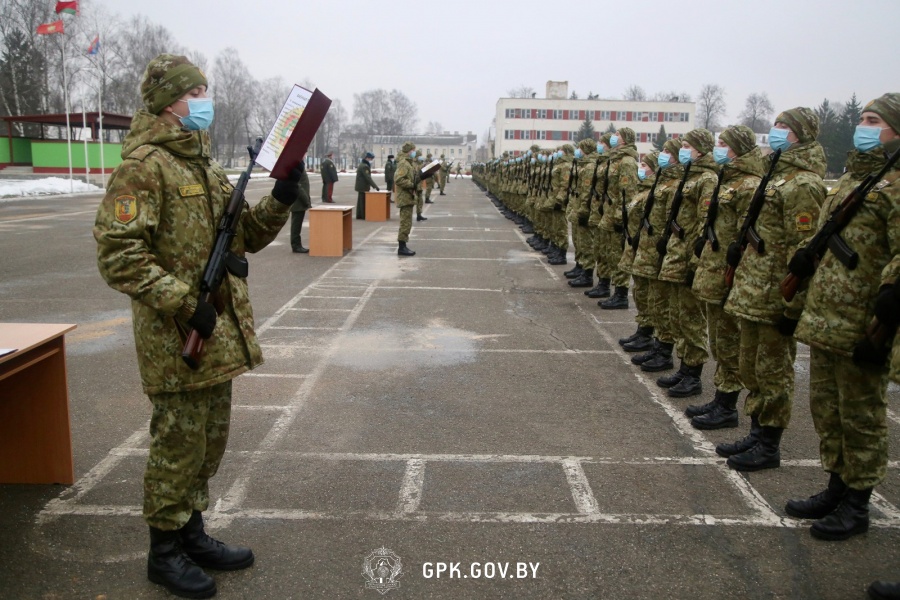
736,255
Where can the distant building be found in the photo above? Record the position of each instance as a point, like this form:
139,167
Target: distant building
554,120
455,147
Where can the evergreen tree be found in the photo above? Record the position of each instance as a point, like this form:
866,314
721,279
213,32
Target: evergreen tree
661,138
585,131
610,129
830,136
843,143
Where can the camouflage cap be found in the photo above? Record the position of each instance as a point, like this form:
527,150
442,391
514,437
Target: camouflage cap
888,108
626,135
739,138
535,148
802,121
407,147
167,78
651,160
672,146
604,139
428,156
701,139
587,145
568,148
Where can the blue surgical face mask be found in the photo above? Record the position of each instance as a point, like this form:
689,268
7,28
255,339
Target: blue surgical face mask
599,148
533,161
720,154
200,114
578,153
613,141
559,154
642,173
664,160
684,156
421,159
866,138
412,153
778,139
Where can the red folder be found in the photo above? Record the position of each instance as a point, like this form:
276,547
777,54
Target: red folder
298,143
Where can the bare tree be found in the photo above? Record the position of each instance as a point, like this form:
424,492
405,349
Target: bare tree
635,93
757,113
233,93
523,91
329,134
267,103
710,106
406,113
671,96
385,113
434,128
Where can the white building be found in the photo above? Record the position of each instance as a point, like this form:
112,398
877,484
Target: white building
552,121
454,146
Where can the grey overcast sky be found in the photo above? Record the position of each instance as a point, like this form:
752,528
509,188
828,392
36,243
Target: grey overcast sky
454,59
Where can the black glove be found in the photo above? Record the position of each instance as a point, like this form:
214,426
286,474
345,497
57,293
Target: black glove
699,245
866,354
887,306
733,255
661,244
689,279
583,221
786,325
803,264
204,319
377,189
287,190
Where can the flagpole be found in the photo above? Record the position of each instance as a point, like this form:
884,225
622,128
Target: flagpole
68,125
100,117
87,164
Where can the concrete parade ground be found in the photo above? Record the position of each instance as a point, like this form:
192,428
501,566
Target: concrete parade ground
457,407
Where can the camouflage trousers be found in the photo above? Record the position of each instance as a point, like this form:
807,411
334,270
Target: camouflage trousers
405,223
583,239
641,293
420,199
725,347
559,229
188,435
849,410
428,190
767,371
442,183
689,322
601,267
661,301
609,254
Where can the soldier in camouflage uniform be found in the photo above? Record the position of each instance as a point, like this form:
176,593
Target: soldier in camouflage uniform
445,174
596,203
406,180
420,187
679,264
154,231
742,169
579,211
646,264
847,379
641,338
429,183
617,187
792,200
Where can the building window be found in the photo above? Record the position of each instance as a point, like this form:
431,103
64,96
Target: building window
542,114
510,113
556,135
575,115
518,113
557,114
527,135
507,134
604,115
684,117
542,135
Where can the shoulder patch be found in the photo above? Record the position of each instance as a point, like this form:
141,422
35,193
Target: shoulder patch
190,190
804,221
126,209
142,152
780,182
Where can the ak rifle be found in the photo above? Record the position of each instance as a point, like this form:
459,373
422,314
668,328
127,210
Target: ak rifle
671,224
709,229
648,208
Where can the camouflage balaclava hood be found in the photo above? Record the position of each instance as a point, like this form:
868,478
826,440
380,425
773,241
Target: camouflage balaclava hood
802,121
604,139
587,145
888,108
407,147
701,139
167,78
568,149
672,146
627,136
739,138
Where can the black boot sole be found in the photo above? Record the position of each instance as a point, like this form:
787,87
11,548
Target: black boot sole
797,514
751,468
712,426
656,369
208,593
248,562
673,393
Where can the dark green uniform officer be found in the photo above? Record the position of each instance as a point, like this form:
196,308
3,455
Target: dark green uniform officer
298,212
363,184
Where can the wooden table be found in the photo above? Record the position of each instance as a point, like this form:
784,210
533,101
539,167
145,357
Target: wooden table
35,438
330,230
378,206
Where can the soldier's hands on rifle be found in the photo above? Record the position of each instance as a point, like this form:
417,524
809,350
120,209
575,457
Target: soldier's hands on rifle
733,255
786,326
203,321
803,263
887,306
287,190
698,246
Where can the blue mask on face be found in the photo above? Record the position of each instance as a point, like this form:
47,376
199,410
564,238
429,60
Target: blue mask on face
578,153
866,138
664,160
421,159
412,153
684,156
720,154
613,141
642,173
200,114
599,148
533,161
778,139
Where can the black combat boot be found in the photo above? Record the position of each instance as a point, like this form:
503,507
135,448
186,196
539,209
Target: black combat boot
209,552
586,279
532,240
850,518
822,504
601,290
695,410
558,257
690,384
549,248
722,414
419,217
661,361
651,353
743,444
641,342
764,455
170,567
526,227
619,300
574,271
639,332
667,381
884,590
404,251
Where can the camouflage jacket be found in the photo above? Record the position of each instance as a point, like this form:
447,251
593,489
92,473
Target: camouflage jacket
635,210
740,178
840,302
622,183
787,219
593,199
581,189
698,189
155,229
559,179
405,180
646,258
